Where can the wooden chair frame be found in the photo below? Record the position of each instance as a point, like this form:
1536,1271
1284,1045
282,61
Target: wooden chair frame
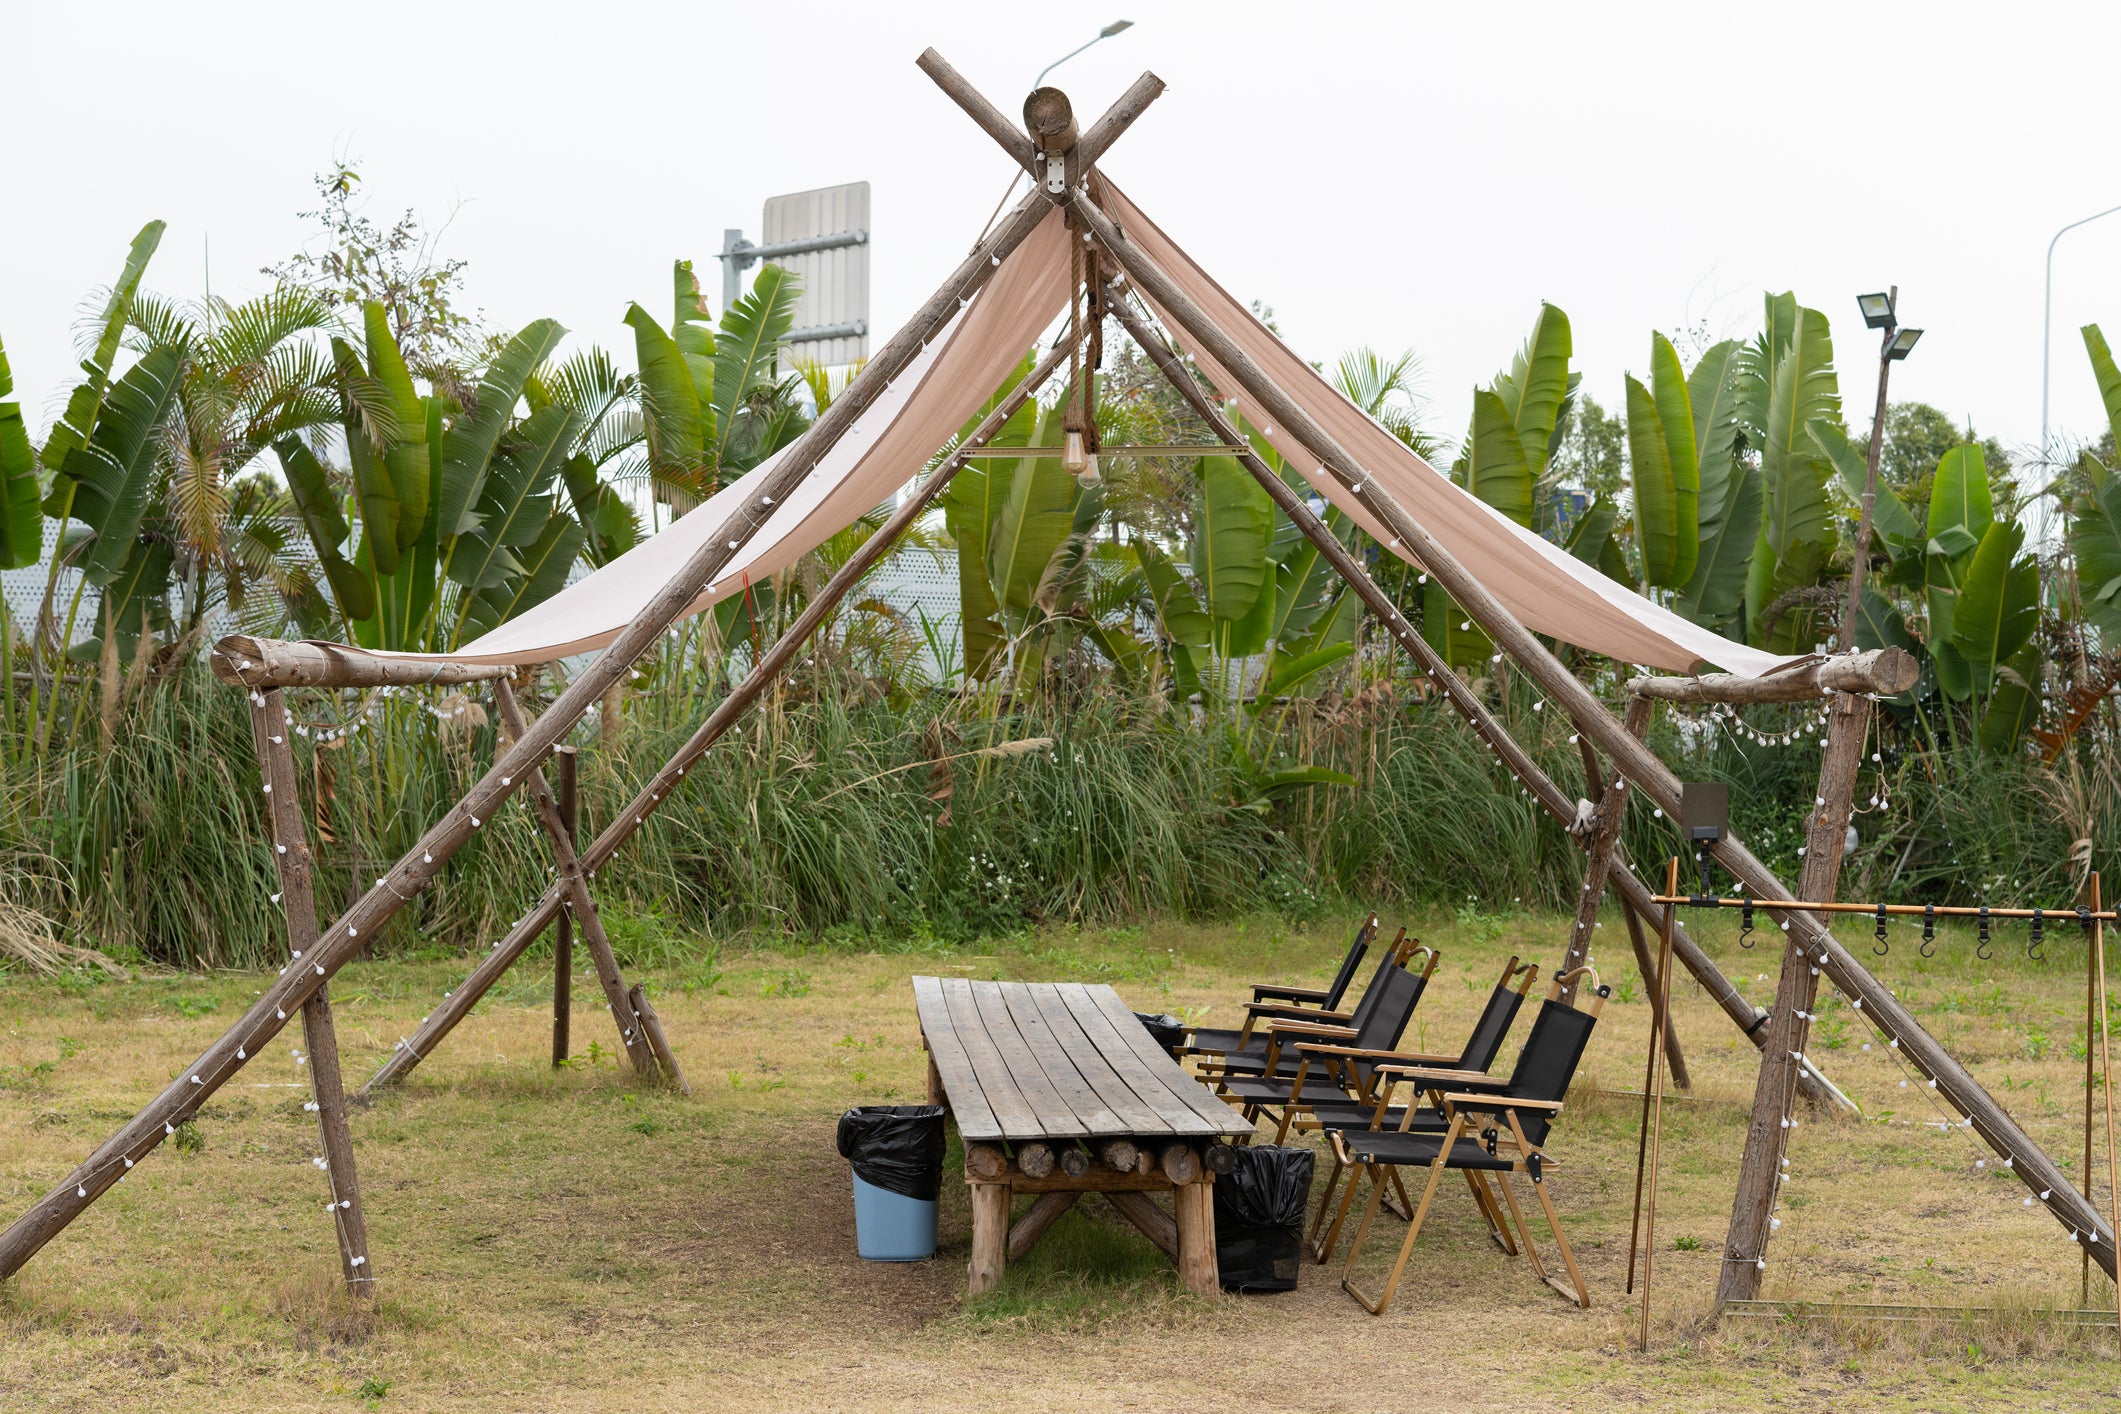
1520,1154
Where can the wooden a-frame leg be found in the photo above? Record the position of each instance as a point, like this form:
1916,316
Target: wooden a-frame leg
276,765
582,907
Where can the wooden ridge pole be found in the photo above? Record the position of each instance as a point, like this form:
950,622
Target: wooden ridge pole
580,906
1634,893
730,710
421,864
283,813
1796,995
1631,757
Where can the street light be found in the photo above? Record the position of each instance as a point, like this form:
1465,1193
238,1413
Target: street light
1879,312
1104,34
2047,319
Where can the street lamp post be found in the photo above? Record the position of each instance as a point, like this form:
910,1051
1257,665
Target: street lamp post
2047,321
1102,35
1894,344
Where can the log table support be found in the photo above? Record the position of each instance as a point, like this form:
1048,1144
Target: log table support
563,765
1796,993
1043,1212
575,881
1151,1221
990,1237
276,769
1194,1207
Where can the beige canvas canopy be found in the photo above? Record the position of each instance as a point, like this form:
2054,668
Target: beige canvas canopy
1545,586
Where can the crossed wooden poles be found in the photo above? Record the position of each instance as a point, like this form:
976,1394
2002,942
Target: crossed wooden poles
1062,164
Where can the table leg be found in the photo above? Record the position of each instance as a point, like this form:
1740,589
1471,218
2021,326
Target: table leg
1194,1204
990,1236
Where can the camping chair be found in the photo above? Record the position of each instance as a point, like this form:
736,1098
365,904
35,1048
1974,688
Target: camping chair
1294,1004
1286,1094
1252,1060
1513,1122
1478,1055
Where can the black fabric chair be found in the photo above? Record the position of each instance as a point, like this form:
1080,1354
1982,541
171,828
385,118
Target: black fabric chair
1468,1067
1500,1130
1284,1095
1292,1003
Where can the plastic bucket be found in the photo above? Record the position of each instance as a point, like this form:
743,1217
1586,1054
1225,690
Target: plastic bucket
890,1227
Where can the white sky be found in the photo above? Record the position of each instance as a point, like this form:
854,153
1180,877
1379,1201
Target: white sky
1402,176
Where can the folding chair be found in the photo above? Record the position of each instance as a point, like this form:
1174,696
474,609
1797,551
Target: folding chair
1474,1059
1293,1004
1520,1115
1288,1092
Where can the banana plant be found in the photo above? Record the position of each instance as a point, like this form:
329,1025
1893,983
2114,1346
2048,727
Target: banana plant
1730,499
1787,382
21,508
1663,459
2095,520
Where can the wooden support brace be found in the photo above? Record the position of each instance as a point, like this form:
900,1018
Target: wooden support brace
1883,672
276,769
1154,1223
651,1025
1025,1232
564,762
990,1237
582,907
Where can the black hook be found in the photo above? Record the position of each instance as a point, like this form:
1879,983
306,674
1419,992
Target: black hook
2084,917
2034,938
1929,930
1883,947
1745,924
1983,952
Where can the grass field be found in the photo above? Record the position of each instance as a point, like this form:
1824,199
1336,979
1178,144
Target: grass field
570,1240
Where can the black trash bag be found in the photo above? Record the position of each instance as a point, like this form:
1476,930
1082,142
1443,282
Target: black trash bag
1168,1030
1259,1218
899,1148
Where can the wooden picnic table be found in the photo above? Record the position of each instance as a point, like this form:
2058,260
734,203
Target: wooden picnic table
1058,1090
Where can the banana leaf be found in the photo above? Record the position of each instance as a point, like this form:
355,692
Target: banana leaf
107,483
468,446
1715,595
405,457
84,406
1890,517
21,504
364,406
1178,608
2095,539
309,485
517,501
136,598
405,597
746,347
541,568
1450,632
1034,517
1999,601
2015,704
1675,416
1662,471
1292,673
1712,395
670,407
1959,496
1495,469
1880,624
1234,523
1533,391
2109,377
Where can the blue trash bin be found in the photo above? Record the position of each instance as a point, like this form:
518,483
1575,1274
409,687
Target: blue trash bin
897,1153
890,1227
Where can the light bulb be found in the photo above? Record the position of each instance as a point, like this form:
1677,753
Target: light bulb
1073,461
1089,475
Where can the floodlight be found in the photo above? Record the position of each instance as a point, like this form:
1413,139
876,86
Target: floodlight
1877,311
1903,343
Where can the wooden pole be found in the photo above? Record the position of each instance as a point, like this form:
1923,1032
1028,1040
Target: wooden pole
1193,1205
1558,803
1796,996
1151,1221
1885,672
248,661
2091,1060
990,1237
651,1025
563,761
276,769
2106,1070
726,714
424,861
580,904
1641,766
1654,1108
1042,1214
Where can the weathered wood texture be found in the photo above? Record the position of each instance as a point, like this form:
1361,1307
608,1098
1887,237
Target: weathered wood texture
990,1236
651,1025
1796,995
276,772
565,788
1886,672
1153,1222
1642,767
726,714
420,865
1025,1232
259,663
1046,1063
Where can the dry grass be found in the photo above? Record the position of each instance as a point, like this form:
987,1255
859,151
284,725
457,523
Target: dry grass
568,1240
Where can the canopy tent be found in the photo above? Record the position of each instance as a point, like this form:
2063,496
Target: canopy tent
1542,584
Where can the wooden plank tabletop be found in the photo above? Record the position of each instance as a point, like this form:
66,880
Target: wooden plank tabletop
1044,1060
